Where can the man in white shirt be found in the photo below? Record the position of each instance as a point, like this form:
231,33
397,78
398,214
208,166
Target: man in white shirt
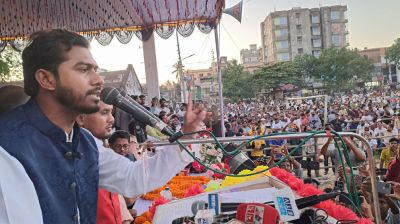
65,163
379,132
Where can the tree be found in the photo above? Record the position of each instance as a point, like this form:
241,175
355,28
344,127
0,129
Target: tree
393,52
340,69
275,75
307,65
10,65
237,83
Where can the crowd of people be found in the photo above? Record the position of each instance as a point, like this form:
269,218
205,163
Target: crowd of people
373,114
71,157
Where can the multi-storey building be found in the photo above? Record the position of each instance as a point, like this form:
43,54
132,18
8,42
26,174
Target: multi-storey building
250,56
205,83
287,34
385,71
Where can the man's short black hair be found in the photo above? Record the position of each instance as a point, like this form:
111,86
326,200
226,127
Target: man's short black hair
118,134
47,50
394,140
142,96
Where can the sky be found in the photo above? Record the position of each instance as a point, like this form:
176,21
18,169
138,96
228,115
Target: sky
372,23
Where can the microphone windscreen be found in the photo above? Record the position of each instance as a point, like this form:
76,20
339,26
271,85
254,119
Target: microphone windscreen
198,205
257,213
109,95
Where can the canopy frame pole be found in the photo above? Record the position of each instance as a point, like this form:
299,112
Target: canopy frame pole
219,77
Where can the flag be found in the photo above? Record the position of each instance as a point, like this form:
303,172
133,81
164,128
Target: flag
235,11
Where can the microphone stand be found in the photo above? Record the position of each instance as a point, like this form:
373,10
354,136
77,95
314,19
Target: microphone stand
139,131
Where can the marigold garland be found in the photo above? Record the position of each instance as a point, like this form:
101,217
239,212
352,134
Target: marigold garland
178,185
144,218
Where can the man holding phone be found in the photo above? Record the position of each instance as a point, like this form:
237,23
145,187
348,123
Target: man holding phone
388,154
393,173
356,155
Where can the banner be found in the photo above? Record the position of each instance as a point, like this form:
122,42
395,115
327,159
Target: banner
235,11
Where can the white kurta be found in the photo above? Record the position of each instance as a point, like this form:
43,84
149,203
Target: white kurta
19,202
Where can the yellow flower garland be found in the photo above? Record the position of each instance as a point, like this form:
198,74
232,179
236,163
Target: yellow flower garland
229,181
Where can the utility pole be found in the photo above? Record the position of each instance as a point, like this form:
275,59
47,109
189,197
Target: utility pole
179,69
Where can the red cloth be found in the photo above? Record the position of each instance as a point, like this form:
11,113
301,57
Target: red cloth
393,172
108,210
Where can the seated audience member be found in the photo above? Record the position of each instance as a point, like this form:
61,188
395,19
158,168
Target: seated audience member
388,154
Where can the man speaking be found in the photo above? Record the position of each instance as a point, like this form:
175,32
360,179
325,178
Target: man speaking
60,158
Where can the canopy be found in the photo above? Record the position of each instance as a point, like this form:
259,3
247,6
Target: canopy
104,19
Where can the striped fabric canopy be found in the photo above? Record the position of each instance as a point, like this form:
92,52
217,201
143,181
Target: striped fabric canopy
104,19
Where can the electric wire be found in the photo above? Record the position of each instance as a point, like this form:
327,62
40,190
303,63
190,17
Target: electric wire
353,194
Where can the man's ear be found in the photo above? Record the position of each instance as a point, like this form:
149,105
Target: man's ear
81,120
46,79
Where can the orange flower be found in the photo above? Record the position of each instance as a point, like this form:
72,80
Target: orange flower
178,186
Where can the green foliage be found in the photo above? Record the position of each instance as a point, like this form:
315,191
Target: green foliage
275,75
237,84
340,69
337,69
10,65
393,52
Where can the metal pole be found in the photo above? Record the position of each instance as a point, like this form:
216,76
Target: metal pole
180,72
221,98
325,109
370,155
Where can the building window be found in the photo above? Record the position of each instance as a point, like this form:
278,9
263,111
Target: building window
201,75
282,44
283,57
281,32
336,40
316,53
335,15
298,29
300,51
297,18
315,30
299,40
314,18
316,42
280,21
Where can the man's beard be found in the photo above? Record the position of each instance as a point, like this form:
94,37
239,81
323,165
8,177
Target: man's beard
67,98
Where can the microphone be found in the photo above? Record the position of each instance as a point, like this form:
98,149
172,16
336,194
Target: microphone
257,213
301,202
198,205
112,96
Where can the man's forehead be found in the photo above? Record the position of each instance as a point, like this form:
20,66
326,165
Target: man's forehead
80,55
104,106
